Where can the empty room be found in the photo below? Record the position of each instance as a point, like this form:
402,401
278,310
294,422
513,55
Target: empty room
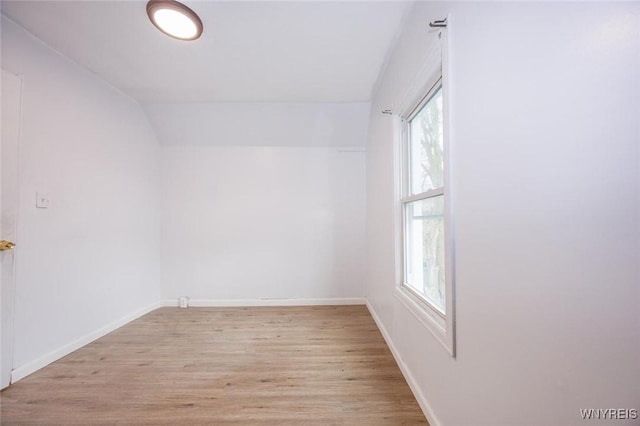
320,212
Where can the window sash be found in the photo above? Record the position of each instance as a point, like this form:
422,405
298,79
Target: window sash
423,195
424,100
408,197
406,241
405,183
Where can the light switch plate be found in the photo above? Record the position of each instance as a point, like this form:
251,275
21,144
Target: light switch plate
42,200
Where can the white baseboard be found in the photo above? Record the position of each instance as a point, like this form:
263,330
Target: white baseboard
266,302
35,365
422,401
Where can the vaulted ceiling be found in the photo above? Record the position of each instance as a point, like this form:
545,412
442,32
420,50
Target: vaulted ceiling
250,51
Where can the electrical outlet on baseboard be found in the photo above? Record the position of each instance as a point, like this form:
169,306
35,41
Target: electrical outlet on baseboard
183,302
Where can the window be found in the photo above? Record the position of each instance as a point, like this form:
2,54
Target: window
424,221
424,203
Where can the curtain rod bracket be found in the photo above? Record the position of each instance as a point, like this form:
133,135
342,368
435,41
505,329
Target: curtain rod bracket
442,23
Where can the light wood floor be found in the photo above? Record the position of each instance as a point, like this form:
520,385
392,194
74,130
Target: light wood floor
324,365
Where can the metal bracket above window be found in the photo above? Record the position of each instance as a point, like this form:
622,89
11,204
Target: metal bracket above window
442,23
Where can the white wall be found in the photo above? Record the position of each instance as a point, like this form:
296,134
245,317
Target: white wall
545,110
263,200
261,124
92,258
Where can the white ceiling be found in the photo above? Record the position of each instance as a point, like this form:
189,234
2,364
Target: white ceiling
250,51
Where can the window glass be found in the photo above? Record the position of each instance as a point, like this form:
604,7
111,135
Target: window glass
426,158
424,233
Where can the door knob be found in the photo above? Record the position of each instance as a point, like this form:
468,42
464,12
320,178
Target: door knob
6,245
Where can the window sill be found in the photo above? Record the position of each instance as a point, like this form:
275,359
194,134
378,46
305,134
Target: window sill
428,317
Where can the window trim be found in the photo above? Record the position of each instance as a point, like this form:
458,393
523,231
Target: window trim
433,75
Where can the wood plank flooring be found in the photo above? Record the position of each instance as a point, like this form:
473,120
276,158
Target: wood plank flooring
312,365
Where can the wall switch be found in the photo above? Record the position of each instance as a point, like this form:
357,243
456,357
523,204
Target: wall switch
42,200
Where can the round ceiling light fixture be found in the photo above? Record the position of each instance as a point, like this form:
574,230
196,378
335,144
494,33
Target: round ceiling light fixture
175,19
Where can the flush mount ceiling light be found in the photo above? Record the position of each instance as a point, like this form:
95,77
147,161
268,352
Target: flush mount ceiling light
174,19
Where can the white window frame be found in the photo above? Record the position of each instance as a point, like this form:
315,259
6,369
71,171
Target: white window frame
434,73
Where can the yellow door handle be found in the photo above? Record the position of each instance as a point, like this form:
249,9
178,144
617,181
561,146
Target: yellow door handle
6,245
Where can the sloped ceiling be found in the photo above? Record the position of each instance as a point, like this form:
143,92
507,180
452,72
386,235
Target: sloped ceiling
249,52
